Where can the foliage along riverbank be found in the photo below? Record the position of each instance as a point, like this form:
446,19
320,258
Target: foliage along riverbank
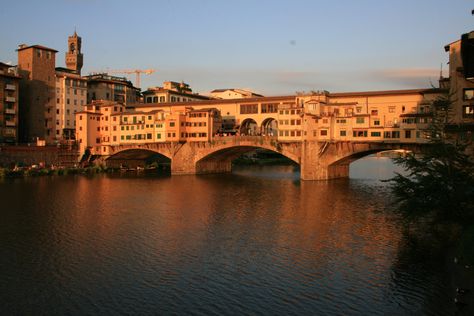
34,172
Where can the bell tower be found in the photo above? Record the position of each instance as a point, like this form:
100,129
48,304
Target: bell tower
74,57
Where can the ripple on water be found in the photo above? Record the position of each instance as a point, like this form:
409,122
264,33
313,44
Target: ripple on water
255,242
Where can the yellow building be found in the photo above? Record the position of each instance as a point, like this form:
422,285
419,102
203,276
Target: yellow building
104,124
71,96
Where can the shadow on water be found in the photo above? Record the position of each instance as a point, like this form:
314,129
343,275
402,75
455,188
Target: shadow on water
257,241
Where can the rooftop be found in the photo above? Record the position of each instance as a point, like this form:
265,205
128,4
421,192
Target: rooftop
23,47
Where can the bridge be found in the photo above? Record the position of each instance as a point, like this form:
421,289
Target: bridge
317,160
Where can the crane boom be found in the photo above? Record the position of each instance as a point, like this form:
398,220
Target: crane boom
137,73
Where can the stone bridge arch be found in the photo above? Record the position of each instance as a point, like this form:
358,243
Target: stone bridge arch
323,161
133,157
217,156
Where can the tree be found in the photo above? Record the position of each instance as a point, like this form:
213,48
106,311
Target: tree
439,183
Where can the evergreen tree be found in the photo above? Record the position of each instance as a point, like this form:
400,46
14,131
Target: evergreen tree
439,182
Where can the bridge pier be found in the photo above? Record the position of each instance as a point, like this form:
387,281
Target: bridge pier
316,163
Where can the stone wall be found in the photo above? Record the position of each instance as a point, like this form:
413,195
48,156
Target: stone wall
29,155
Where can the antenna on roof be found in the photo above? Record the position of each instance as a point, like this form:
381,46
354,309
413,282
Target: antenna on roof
441,72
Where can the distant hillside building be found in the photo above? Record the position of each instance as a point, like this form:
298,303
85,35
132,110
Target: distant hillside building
71,97
9,87
111,88
233,94
171,92
36,66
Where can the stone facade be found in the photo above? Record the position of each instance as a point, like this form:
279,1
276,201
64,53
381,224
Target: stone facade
36,66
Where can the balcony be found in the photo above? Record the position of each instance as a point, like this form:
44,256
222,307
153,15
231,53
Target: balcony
10,99
11,87
10,111
10,123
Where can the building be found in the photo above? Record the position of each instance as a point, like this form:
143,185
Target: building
461,84
9,87
103,124
36,65
397,116
171,92
74,57
71,97
111,88
233,94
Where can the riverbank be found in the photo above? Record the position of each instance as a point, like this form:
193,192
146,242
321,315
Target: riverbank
42,171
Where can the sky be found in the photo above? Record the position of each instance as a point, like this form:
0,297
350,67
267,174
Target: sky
271,47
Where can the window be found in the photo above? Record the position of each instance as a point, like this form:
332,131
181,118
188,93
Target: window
376,122
269,108
342,133
374,112
391,109
360,120
359,133
468,94
323,132
375,134
386,134
395,134
158,136
468,111
408,134
171,124
359,109
248,108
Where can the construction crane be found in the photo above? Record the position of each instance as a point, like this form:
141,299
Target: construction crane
137,73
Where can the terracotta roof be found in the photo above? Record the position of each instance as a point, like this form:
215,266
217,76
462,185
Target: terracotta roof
137,112
88,112
37,46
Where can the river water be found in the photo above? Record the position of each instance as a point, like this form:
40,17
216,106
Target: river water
257,241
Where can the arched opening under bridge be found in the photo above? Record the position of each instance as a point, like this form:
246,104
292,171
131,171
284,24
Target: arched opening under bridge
371,165
238,157
139,159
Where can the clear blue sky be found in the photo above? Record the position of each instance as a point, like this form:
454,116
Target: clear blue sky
272,47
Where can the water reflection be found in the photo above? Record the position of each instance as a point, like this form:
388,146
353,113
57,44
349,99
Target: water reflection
257,241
